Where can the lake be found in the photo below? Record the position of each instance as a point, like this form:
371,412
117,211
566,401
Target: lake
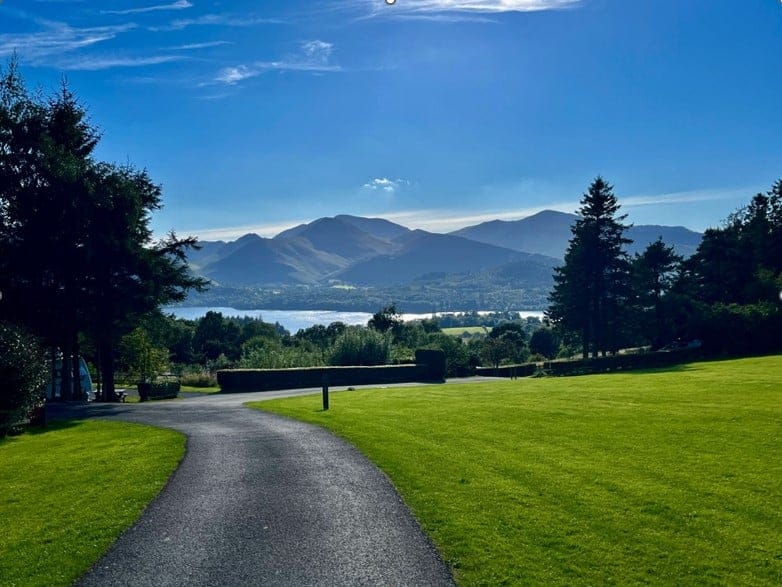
294,320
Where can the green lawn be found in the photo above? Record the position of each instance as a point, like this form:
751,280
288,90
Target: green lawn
193,389
459,330
667,477
67,492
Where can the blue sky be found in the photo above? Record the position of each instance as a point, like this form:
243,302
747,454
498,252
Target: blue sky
256,116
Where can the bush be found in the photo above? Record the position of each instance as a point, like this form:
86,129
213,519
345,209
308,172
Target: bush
165,387
269,354
545,342
361,346
459,362
197,376
737,329
23,375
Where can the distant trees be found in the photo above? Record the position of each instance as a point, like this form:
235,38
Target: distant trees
592,287
77,257
726,294
654,272
361,346
506,341
734,280
385,319
545,342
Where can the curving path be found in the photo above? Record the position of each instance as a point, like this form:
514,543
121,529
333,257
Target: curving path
263,500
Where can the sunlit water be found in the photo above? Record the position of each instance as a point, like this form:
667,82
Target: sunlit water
294,320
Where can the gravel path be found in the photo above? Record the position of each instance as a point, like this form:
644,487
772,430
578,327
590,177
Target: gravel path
263,500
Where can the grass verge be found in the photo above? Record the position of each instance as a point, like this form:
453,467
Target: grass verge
459,330
672,477
193,389
68,491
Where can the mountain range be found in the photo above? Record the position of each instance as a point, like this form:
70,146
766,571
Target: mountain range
353,250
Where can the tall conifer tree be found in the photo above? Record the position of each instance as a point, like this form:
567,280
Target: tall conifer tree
592,287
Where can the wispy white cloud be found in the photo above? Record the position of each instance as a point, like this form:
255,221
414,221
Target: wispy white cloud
385,184
234,232
233,75
96,63
686,197
178,5
454,10
313,56
58,38
229,20
193,46
491,6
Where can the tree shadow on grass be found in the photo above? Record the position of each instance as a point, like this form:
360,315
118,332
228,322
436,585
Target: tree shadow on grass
53,426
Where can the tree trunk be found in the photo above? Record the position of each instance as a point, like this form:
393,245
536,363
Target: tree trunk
107,369
585,342
65,374
77,391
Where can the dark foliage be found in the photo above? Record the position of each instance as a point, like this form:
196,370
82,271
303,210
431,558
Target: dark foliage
23,375
591,289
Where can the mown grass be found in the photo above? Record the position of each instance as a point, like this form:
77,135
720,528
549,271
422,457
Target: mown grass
68,491
194,389
459,330
667,477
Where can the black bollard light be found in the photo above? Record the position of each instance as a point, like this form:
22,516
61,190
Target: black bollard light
325,382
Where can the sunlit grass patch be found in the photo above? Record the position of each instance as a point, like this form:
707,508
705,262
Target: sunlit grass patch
672,476
68,491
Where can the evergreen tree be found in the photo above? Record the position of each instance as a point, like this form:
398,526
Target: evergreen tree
654,272
77,255
592,288
45,152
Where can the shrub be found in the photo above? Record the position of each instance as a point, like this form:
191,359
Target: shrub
361,346
23,375
459,362
198,376
269,354
545,342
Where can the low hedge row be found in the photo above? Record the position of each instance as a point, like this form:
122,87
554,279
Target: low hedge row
511,371
241,380
158,390
629,362
429,367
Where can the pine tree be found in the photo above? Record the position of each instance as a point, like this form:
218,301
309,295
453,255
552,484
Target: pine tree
77,254
654,272
592,287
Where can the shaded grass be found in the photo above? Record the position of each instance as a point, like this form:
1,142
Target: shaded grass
68,491
666,477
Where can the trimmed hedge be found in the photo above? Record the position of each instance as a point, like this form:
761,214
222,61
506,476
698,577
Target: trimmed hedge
429,367
510,371
241,380
158,390
629,362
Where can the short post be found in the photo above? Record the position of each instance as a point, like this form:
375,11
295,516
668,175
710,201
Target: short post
325,382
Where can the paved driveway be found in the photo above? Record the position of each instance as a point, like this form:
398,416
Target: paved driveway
263,500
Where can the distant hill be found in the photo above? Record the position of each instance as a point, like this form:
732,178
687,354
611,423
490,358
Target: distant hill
377,227
261,261
424,253
548,233
376,252
340,236
684,241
